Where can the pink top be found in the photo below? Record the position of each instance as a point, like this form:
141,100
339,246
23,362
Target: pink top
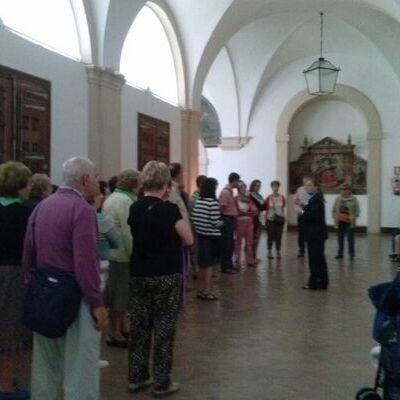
227,202
246,209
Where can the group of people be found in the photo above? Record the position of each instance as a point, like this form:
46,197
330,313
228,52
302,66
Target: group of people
126,253
129,245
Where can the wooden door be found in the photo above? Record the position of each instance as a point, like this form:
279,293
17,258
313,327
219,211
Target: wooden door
24,120
6,119
153,140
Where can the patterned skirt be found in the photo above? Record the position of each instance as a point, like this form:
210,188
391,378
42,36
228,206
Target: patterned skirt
14,337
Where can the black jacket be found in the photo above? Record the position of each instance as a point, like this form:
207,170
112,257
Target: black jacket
314,219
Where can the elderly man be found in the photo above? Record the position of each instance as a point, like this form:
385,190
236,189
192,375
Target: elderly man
301,200
64,236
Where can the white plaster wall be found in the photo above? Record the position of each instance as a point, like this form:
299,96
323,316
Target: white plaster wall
328,117
258,159
224,99
136,101
69,95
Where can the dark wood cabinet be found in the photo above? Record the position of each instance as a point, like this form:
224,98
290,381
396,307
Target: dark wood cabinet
25,119
153,136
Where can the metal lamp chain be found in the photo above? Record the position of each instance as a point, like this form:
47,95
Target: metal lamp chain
322,32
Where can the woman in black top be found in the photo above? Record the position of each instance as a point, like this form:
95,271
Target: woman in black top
14,338
254,189
158,232
316,234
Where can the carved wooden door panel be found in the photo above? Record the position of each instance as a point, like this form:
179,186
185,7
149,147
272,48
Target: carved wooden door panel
33,130
153,137
6,119
24,119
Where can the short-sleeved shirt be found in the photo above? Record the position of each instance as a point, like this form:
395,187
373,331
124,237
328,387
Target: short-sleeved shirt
157,248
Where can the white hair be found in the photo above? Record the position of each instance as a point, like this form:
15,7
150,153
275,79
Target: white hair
76,168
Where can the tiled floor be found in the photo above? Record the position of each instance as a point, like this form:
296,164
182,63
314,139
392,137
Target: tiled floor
269,339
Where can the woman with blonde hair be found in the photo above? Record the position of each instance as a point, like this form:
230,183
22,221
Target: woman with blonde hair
117,207
40,189
159,232
14,338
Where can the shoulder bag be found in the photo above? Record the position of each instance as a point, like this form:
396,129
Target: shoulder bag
52,298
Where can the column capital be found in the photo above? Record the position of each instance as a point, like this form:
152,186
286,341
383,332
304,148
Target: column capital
105,77
283,139
190,114
234,142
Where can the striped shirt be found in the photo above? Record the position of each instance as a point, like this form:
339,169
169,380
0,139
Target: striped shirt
206,217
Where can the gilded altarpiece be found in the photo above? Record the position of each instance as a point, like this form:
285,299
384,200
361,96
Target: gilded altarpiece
331,163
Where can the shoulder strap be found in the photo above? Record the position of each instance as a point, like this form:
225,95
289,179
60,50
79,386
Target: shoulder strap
33,225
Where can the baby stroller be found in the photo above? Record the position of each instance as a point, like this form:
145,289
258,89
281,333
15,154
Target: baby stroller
386,299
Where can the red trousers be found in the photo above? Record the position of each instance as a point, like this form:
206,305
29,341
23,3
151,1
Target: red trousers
244,230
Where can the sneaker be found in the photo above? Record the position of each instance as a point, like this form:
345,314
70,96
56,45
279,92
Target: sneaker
135,387
173,388
300,254
103,364
339,257
278,255
270,255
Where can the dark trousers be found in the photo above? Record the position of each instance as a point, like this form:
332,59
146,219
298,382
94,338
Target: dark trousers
345,229
301,238
317,262
227,242
395,232
154,311
274,233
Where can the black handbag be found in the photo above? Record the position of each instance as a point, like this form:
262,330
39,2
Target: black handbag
52,299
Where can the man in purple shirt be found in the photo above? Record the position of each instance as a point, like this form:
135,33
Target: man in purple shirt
65,237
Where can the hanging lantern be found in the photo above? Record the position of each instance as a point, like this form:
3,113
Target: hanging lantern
321,75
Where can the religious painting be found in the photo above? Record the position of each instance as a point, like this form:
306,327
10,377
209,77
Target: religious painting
153,137
331,163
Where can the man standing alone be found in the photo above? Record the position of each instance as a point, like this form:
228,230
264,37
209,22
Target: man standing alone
301,200
229,213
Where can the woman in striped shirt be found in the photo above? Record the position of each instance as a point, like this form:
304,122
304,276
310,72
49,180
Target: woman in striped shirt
206,218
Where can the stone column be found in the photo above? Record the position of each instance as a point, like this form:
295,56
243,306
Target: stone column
374,184
190,127
105,119
282,164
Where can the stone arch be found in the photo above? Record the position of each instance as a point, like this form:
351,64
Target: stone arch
359,101
175,42
114,47
82,26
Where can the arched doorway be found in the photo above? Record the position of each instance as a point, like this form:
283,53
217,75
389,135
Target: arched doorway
374,137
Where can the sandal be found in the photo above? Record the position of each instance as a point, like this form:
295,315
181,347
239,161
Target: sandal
206,296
